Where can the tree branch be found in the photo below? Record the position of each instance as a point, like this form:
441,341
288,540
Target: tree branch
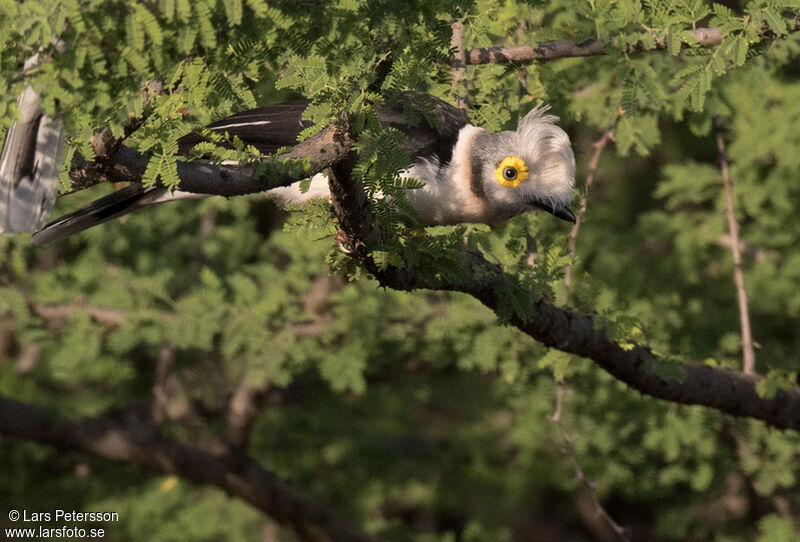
243,408
590,485
133,439
459,65
57,314
748,352
169,399
304,160
553,50
248,399
584,336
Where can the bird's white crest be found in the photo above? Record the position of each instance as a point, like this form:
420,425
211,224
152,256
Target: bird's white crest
534,120
551,150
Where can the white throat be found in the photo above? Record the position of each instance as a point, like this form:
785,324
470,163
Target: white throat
447,197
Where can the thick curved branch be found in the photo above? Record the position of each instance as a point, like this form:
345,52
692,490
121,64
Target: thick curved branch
553,50
134,439
304,160
583,335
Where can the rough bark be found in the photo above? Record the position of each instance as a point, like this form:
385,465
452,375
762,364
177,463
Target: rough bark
305,159
725,390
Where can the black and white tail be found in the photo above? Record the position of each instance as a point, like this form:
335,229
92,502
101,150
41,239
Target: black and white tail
127,200
267,128
29,165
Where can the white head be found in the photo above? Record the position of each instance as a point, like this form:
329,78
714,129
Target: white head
533,166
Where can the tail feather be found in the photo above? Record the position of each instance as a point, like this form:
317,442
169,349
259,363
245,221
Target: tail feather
29,167
129,199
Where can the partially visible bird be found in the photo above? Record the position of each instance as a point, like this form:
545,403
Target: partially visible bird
469,174
29,165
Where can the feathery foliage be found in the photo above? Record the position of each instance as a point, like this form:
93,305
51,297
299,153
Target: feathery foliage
421,416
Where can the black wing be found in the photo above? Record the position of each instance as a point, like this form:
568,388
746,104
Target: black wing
266,128
431,125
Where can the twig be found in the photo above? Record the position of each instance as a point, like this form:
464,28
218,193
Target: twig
556,416
553,50
522,82
522,73
588,483
208,221
28,358
243,408
747,250
569,448
103,142
248,398
459,66
748,352
317,298
169,401
59,313
599,145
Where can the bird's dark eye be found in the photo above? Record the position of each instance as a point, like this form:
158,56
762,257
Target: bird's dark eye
509,173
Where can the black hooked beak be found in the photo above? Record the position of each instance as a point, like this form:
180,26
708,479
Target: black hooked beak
559,211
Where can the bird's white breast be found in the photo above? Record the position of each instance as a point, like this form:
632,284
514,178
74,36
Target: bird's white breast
447,197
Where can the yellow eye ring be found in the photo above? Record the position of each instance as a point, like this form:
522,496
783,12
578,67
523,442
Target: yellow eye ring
511,171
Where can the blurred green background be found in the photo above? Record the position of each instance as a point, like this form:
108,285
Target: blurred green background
418,415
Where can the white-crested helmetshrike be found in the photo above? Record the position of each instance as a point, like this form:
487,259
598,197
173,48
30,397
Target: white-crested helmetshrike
469,174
